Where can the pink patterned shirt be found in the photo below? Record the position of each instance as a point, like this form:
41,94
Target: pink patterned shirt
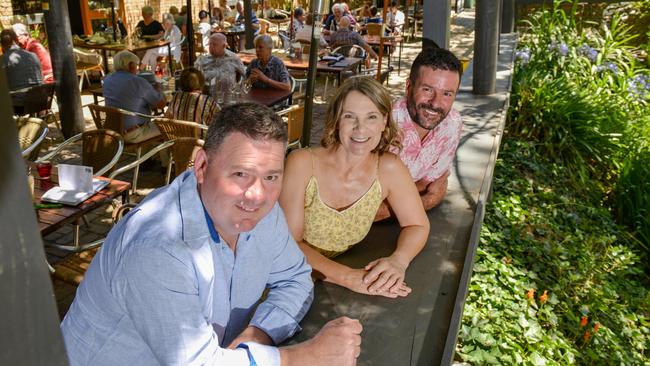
430,158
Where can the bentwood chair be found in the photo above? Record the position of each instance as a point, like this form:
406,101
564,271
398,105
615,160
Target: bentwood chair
294,116
374,29
101,150
31,133
113,119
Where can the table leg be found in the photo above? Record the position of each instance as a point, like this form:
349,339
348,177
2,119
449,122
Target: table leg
399,55
170,59
105,54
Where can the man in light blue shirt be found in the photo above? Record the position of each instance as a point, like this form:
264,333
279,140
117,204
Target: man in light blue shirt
179,279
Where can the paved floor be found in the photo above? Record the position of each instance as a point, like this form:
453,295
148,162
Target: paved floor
462,39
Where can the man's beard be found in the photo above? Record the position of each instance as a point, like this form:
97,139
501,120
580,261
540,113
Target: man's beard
415,116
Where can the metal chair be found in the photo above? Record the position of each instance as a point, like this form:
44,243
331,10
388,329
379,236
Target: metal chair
113,119
183,152
101,149
37,102
85,63
295,117
136,164
31,133
72,269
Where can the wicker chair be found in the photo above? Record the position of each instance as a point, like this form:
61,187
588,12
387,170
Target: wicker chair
294,116
31,133
113,119
374,29
177,130
87,62
184,150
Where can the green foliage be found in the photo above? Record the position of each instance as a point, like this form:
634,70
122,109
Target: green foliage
541,234
556,280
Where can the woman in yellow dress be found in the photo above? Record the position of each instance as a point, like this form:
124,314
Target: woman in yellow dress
331,193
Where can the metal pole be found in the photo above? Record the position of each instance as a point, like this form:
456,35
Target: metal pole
113,19
486,48
315,7
508,16
190,34
59,38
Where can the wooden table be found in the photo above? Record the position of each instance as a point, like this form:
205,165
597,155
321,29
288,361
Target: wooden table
348,63
267,97
129,45
51,219
391,42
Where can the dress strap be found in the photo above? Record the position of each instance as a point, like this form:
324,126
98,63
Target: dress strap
311,153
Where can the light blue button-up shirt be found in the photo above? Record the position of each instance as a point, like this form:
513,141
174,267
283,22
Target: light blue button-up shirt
162,291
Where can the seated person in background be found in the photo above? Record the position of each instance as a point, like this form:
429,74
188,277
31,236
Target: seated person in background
26,41
22,68
298,20
149,27
395,18
331,194
344,36
332,22
375,17
204,28
305,33
365,13
267,71
178,281
181,20
240,19
173,35
267,12
430,127
125,90
220,64
228,12
189,104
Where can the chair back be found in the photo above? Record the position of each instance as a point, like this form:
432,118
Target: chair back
108,118
101,149
171,129
295,116
31,133
374,29
265,25
183,152
351,50
38,98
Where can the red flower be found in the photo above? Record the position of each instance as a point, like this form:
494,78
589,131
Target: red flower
530,294
583,321
596,327
587,336
543,297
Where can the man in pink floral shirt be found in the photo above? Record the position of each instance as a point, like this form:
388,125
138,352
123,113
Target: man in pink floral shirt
430,127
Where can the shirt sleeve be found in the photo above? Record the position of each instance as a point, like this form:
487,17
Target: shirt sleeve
165,309
282,72
290,287
150,95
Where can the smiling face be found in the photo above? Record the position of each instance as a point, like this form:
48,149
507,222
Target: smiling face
217,45
431,97
361,124
239,182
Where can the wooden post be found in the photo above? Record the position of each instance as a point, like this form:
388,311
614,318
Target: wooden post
248,23
436,28
59,37
189,29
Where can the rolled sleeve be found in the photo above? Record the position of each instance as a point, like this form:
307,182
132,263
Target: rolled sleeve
165,309
290,289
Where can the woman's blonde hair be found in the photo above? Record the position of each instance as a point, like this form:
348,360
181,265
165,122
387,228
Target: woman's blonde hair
379,97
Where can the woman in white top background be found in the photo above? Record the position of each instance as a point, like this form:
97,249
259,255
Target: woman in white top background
172,34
